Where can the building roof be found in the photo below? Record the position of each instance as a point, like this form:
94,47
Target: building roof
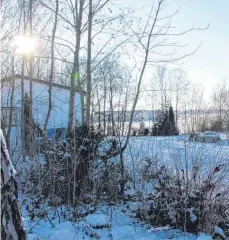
18,76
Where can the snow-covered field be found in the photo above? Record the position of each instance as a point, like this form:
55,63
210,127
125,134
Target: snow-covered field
118,222
175,151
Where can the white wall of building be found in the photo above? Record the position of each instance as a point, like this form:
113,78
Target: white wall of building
60,101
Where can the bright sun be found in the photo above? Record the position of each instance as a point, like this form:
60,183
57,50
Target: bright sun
24,45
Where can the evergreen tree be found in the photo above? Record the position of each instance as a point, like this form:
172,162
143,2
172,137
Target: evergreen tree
173,130
159,124
165,125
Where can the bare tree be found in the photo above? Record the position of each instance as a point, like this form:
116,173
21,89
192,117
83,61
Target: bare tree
52,65
149,40
88,100
180,86
220,107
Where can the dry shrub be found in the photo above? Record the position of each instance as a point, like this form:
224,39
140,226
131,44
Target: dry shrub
193,206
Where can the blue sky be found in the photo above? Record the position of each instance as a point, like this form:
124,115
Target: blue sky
210,65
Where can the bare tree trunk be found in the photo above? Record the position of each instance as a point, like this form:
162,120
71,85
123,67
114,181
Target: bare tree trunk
186,123
99,113
11,221
11,107
112,111
147,51
88,99
220,111
176,110
75,77
122,121
119,117
52,66
122,184
104,110
124,113
30,67
22,96
92,113
31,134
23,112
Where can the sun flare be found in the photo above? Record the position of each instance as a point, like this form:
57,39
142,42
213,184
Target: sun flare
24,45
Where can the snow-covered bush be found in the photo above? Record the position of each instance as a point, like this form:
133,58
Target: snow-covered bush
192,206
61,170
108,148
216,125
83,168
150,172
112,179
107,178
134,132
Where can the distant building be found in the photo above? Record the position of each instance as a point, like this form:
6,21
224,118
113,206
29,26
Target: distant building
60,104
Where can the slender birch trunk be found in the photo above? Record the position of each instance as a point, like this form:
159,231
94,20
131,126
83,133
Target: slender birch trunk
112,111
23,112
75,76
11,107
52,66
88,92
31,140
30,66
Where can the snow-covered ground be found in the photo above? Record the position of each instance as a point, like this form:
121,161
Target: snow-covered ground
118,222
107,223
176,150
